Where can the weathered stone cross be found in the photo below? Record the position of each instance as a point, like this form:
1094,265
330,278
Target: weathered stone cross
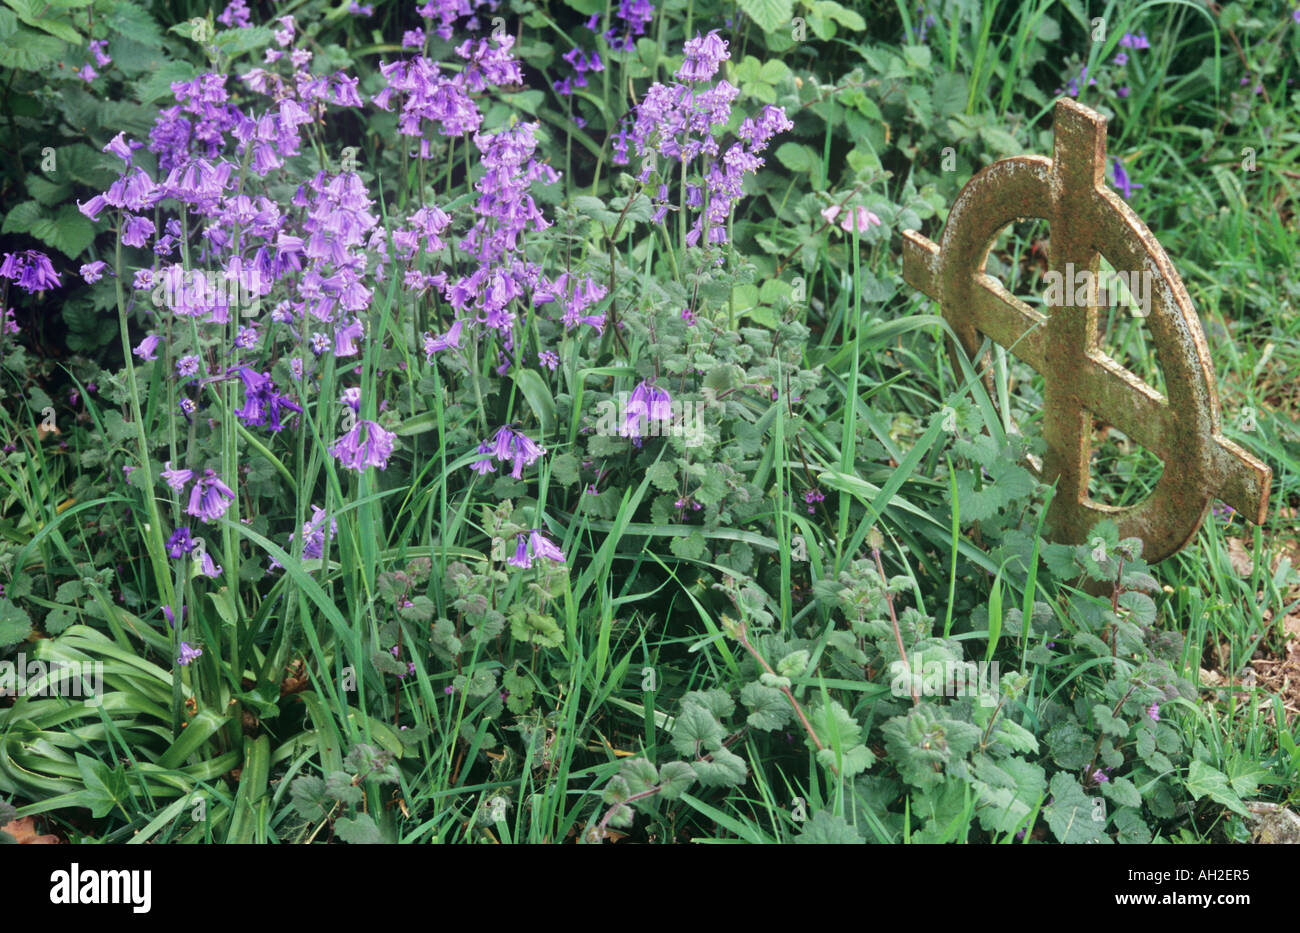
1089,220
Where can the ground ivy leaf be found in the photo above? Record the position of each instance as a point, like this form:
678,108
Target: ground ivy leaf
827,828
769,710
358,830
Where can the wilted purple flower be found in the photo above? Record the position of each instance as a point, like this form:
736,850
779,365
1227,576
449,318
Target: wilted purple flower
210,497
188,654
445,341
208,567
1121,179
176,479
147,348
31,269
358,454
544,547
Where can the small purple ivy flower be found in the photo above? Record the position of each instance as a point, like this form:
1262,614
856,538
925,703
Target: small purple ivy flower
97,47
1130,41
210,497
1121,58
358,454
811,497
1154,712
188,654
1099,776
688,316
1122,91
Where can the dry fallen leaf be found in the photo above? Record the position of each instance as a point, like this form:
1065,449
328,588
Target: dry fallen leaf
1239,557
24,832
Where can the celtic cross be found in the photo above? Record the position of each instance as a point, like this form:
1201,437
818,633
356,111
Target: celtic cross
1088,220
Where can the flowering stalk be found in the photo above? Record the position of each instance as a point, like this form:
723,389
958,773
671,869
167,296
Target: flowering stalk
154,540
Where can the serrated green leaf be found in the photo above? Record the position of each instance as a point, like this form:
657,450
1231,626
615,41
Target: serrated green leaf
21,217
136,24
1069,815
696,730
358,830
69,231
827,828
769,710
15,624
769,15
29,50
726,769
1122,791
675,779
1205,781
